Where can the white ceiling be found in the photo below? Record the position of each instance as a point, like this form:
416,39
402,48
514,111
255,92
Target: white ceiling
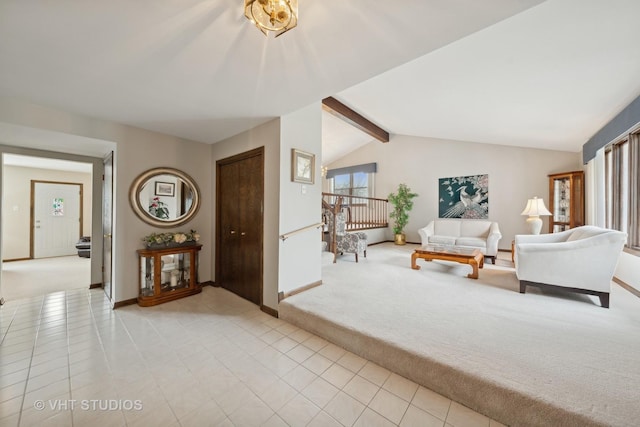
525,72
549,77
46,163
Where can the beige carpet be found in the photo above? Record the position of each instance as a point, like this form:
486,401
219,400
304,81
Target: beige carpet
24,279
532,359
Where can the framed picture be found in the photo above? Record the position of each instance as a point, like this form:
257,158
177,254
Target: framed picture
303,166
165,189
464,197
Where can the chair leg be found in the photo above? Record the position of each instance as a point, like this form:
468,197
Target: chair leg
356,256
365,253
604,299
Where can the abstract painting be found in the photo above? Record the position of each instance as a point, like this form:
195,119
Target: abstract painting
464,197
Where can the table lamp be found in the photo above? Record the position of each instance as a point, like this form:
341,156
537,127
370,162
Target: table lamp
535,208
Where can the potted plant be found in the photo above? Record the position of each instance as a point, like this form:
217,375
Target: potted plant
402,202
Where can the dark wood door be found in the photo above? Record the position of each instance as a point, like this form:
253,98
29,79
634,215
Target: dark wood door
228,266
239,242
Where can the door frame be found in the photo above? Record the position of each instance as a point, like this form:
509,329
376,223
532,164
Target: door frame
260,151
96,188
32,220
107,238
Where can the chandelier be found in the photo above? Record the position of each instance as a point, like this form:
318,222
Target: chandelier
278,16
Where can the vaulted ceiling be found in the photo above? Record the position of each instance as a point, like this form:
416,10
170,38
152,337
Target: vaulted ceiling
524,72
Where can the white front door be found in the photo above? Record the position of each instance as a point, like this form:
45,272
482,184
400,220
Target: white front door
56,219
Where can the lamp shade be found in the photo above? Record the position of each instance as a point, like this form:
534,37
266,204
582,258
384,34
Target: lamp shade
535,207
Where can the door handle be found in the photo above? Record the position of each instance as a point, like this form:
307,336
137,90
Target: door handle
107,236
243,233
233,231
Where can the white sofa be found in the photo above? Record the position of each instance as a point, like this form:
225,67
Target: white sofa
470,233
582,260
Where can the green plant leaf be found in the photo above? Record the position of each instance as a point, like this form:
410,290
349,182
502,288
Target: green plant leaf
402,201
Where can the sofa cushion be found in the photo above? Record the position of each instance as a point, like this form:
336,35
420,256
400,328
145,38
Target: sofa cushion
583,233
442,240
475,228
447,227
475,242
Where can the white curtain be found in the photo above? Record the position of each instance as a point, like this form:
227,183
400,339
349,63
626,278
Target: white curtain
633,227
595,205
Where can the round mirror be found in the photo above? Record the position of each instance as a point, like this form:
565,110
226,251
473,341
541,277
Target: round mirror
164,197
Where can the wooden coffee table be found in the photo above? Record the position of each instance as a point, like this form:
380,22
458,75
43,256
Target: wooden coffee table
473,257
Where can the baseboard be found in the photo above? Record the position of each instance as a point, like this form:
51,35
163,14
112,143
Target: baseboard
15,259
393,241
270,311
283,295
209,283
125,303
95,285
379,243
627,286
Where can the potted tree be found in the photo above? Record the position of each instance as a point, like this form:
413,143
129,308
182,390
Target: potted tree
402,202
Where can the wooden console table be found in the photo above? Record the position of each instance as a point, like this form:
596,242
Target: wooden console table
167,273
472,257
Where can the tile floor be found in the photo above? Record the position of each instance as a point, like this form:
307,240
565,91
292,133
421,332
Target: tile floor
213,359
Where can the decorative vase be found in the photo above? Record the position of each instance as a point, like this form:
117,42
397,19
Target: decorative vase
400,239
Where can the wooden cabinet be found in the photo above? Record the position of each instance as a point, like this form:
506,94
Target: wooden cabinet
566,201
167,274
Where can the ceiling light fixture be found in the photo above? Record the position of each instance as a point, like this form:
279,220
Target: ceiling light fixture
278,16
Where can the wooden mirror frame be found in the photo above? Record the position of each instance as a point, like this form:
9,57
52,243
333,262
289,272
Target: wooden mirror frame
141,211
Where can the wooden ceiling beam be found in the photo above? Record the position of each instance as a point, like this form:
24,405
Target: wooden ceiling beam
345,113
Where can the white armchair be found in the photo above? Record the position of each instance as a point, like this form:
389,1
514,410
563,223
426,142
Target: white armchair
581,260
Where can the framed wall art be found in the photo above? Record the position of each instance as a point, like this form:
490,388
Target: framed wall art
165,189
464,197
303,166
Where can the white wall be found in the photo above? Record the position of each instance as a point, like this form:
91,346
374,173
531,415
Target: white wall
515,175
17,201
295,262
136,150
140,150
267,136
300,204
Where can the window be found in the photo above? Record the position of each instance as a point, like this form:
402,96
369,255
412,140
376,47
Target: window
622,165
354,181
353,184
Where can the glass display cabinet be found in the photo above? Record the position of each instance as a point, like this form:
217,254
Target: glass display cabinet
566,200
167,274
